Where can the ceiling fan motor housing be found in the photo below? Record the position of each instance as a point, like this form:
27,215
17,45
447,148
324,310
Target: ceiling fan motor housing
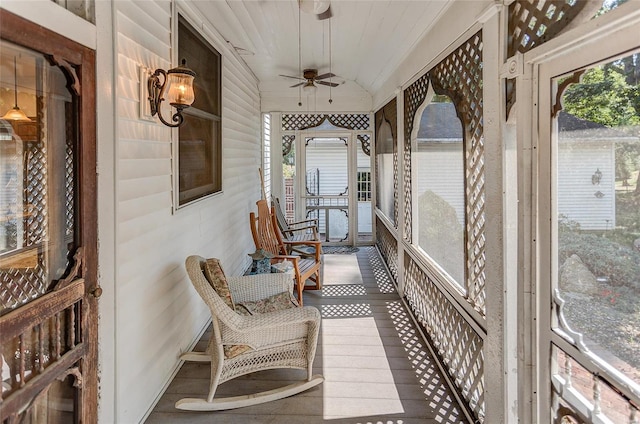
310,74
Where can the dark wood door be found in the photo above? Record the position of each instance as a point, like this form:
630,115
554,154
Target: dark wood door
48,227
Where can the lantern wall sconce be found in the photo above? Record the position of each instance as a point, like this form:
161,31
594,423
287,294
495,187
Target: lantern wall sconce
176,87
596,177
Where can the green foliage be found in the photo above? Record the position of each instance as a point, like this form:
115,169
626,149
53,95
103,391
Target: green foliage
605,96
604,258
609,94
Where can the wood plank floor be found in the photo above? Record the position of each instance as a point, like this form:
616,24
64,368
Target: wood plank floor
376,366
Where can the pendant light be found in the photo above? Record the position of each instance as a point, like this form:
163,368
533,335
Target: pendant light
15,114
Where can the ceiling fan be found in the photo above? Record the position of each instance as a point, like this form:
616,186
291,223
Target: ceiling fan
311,77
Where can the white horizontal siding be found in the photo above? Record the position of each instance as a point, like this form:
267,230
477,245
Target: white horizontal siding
440,169
576,194
330,159
158,313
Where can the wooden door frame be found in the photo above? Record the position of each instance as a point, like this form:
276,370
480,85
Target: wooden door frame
80,61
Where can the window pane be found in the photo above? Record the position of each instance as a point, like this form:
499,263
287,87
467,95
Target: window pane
200,140
37,176
205,61
199,151
439,175
597,148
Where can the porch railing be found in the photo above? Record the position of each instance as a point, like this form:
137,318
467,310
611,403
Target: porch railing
317,206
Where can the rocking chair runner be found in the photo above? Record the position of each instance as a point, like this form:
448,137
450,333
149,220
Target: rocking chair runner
267,236
281,339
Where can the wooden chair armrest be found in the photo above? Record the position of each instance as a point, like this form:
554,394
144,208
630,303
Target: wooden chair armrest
306,221
316,243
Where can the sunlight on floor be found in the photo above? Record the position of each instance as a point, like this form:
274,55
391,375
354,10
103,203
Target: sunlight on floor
358,378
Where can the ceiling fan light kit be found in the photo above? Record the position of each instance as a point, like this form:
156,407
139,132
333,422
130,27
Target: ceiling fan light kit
309,87
314,7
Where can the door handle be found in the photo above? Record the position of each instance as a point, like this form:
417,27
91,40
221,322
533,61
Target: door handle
97,292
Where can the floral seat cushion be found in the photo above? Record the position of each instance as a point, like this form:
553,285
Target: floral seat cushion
215,275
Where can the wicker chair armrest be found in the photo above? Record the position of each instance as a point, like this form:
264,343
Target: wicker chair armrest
250,288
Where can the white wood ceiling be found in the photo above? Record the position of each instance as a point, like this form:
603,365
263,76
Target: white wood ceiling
369,39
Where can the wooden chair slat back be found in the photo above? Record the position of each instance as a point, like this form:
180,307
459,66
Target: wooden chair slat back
265,233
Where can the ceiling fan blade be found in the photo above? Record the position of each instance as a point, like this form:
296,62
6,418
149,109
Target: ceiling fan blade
330,84
289,76
325,15
325,76
298,85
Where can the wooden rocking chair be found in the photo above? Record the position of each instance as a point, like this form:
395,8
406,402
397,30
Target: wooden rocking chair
280,339
267,236
306,230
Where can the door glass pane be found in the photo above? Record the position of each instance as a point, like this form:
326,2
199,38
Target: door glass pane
439,175
597,150
37,176
327,185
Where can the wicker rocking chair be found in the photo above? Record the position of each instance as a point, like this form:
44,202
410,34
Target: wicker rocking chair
281,339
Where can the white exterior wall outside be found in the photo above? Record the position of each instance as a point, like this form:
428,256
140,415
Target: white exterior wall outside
434,164
158,313
577,200
332,162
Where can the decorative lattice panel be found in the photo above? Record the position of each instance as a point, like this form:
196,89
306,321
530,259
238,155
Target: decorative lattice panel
532,23
389,114
287,144
69,178
365,143
396,183
388,246
459,76
35,193
455,341
303,121
24,282
350,121
414,96
299,121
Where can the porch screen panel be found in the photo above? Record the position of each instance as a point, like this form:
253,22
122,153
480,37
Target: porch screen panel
459,77
595,281
386,161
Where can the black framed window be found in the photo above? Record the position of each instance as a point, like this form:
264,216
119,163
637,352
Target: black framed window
200,137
